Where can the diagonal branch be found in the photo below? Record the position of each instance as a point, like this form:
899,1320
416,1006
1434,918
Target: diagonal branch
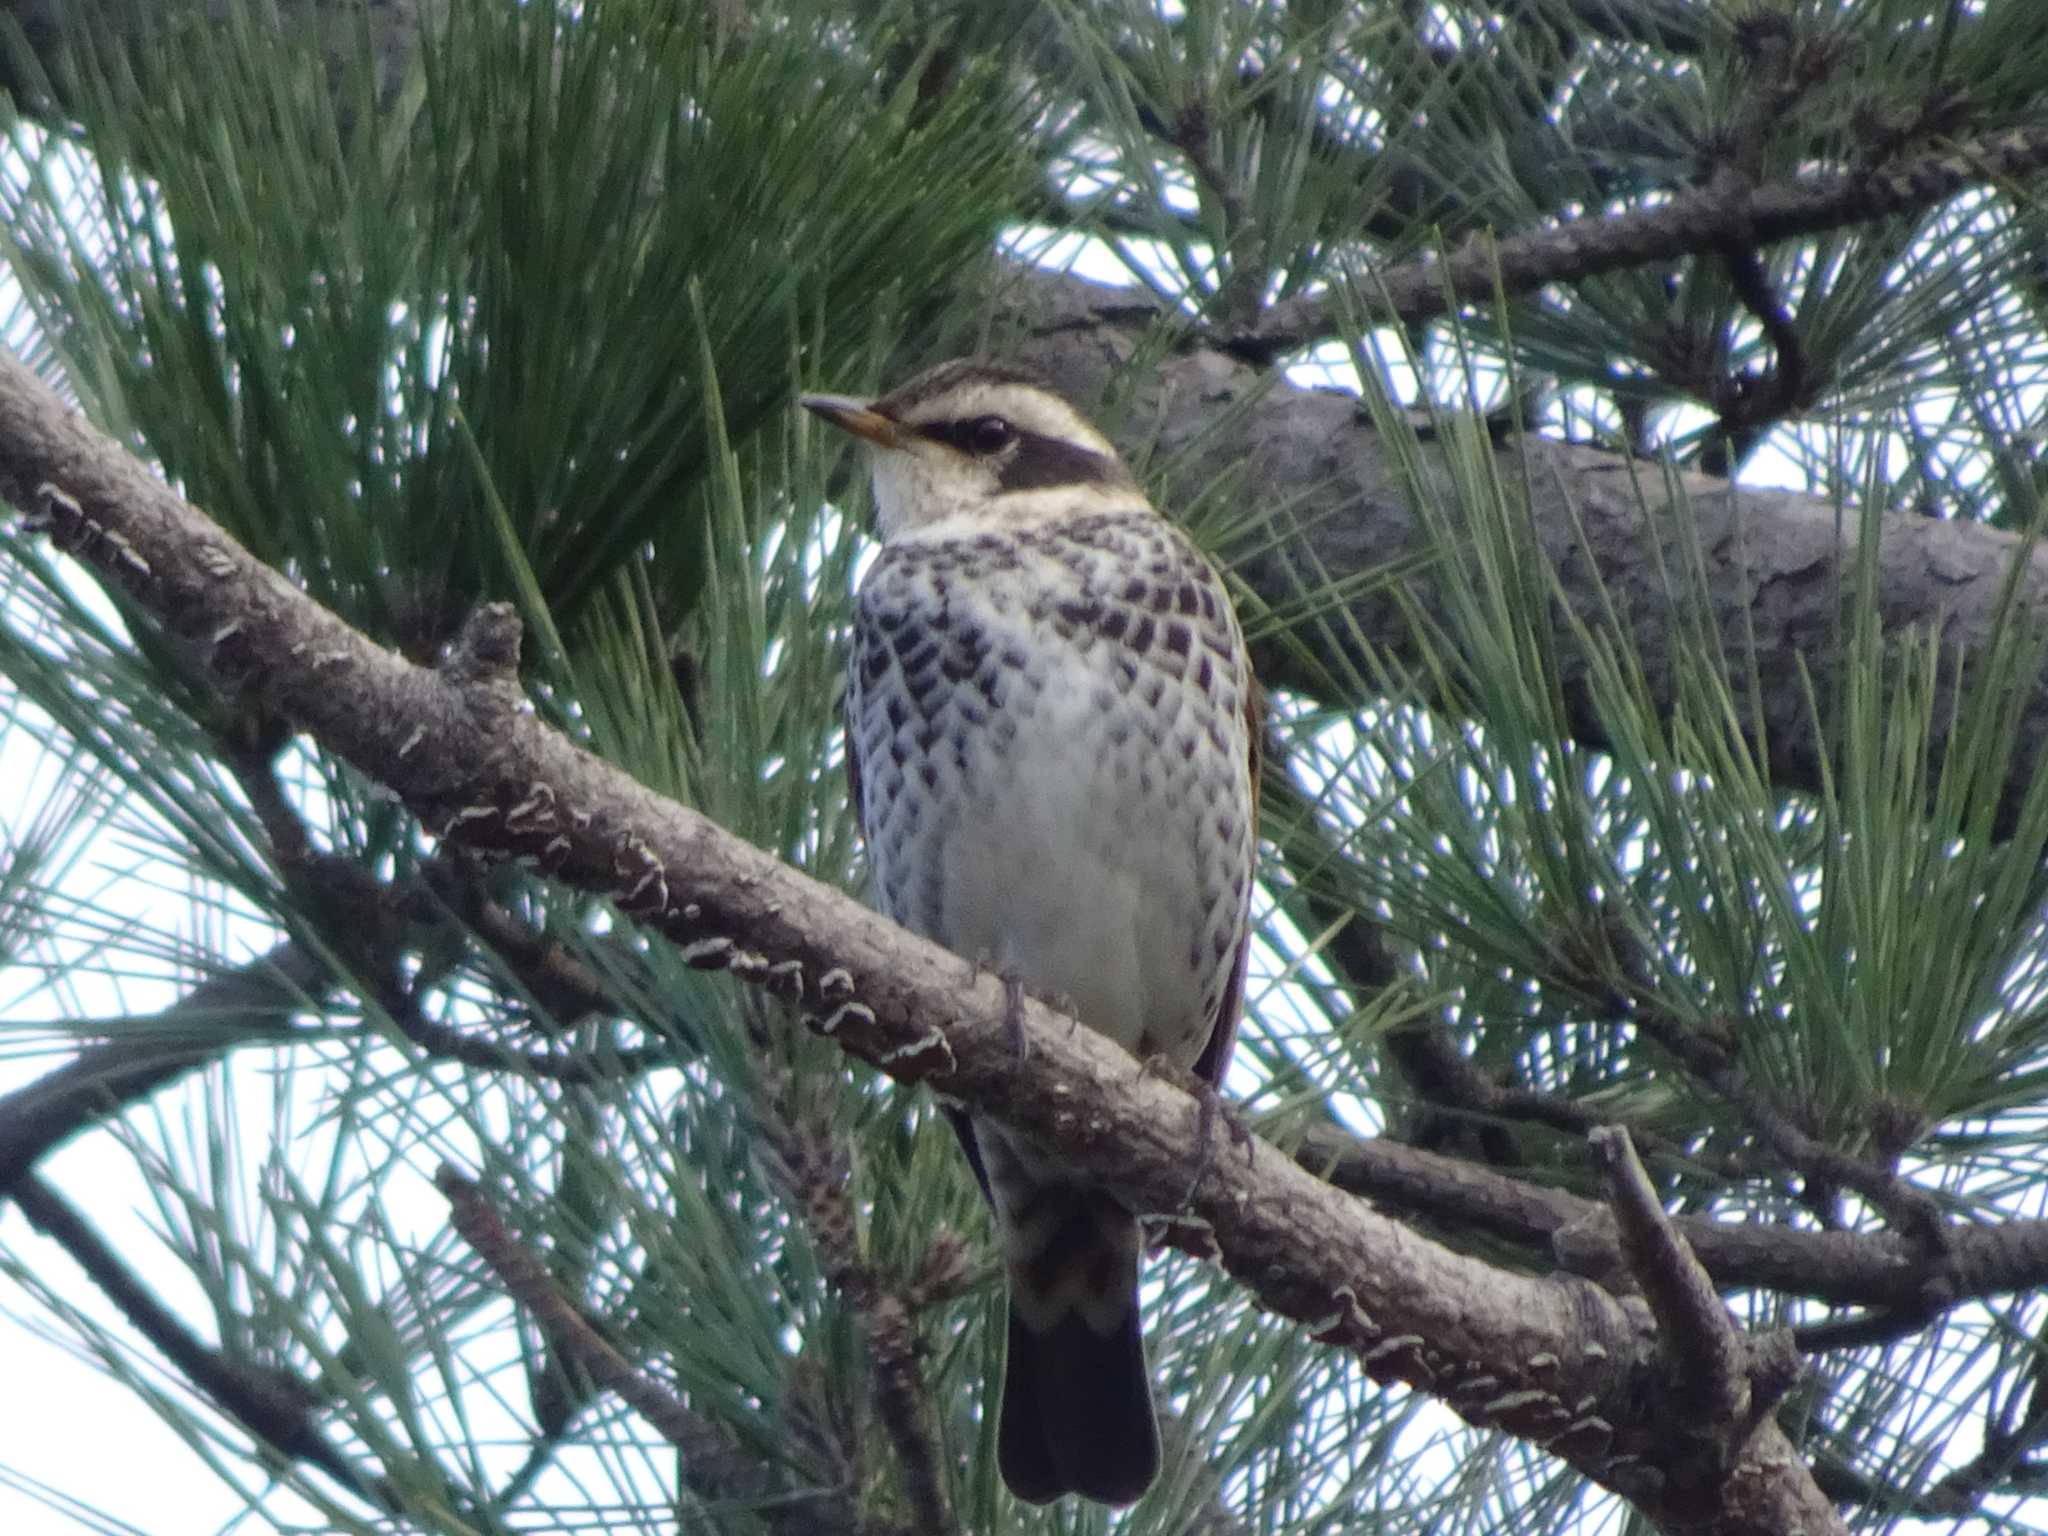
217,1015
270,1404
1884,1270
716,1467
1690,223
1556,1361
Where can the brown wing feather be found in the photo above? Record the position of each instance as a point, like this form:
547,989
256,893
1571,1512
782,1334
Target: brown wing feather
853,777
1215,1057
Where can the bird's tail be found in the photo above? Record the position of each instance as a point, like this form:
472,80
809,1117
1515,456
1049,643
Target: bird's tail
1077,1396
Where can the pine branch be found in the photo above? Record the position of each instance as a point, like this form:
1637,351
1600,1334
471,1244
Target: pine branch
815,1168
1556,1361
714,1466
1696,222
256,1000
279,1410
1879,1270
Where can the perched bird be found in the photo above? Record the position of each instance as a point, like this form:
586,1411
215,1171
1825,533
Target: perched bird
1052,731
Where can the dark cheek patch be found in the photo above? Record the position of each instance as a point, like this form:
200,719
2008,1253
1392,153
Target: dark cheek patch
1037,462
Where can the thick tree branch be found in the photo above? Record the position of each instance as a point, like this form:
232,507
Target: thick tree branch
1556,1361
1883,1270
1773,566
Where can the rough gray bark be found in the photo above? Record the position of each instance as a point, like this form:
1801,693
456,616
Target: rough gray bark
1776,566
1558,1361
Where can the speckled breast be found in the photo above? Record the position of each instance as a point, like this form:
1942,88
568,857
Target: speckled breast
1054,770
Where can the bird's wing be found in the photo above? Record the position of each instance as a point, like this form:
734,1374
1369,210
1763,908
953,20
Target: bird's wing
853,775
955,1115
1215,1057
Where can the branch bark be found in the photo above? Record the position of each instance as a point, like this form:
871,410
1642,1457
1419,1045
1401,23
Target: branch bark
1772,567
1556,1361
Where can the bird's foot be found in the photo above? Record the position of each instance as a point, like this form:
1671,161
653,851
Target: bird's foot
1013,1017
984,964
1064,1003
1210,1109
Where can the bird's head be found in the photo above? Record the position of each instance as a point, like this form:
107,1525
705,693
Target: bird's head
976,437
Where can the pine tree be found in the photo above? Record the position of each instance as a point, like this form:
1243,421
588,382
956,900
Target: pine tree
1620,420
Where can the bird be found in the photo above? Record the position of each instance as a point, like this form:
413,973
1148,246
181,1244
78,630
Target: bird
1053,736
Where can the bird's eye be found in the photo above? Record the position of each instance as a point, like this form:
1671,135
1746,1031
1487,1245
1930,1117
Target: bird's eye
989,434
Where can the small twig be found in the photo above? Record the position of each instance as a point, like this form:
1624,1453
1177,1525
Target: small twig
714,1464
1711,1057
1698,1334
563,987
270,1403
444,1042
814,1169
1748,402
1689,223
253,761
218,1014
1865,1328
1242,247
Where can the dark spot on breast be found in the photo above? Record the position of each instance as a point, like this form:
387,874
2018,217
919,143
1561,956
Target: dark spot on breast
1080,611
1179,639
1205,675
964,655
1136,590
922,650
1113,623
1208,604
1185,599
1142,636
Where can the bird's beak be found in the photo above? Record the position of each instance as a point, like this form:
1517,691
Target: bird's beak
855,416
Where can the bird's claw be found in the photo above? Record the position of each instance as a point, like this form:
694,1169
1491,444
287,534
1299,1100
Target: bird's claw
1210,1108
1013,1017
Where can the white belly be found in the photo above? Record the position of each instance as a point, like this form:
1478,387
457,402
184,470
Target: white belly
1055,776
